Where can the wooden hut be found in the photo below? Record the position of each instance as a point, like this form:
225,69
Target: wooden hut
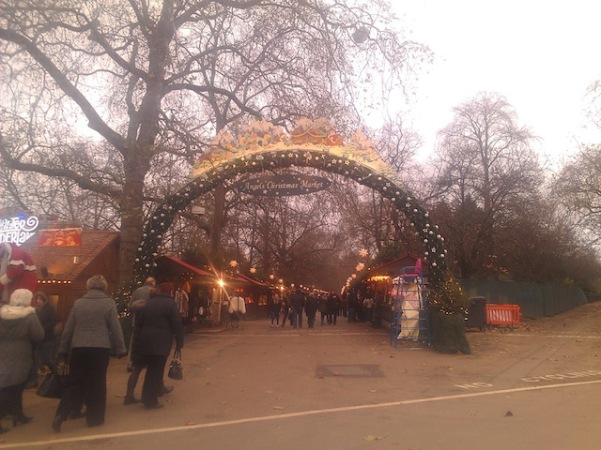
66,258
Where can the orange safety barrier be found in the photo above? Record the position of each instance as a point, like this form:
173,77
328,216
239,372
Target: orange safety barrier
503,315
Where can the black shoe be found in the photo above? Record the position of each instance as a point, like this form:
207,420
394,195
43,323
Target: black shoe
130,400
155,406
3,430
21,420
95,424
167,389
76,415
56,424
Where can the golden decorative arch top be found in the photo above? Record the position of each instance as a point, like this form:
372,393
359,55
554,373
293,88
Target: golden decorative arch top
261,138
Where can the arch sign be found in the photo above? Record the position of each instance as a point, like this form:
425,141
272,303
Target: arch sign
313,144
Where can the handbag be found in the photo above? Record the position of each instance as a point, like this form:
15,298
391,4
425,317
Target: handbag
52,385
176,371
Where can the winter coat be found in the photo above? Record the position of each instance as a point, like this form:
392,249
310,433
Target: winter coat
93,322
159,322
237,304
332,304
297,301
311,306
321,305
19,327
275,304
47,317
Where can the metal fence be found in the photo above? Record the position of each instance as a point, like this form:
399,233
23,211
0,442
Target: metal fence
535,300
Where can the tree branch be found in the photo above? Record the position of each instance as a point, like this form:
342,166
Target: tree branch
95,122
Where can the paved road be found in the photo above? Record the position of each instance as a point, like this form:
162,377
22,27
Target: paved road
346,387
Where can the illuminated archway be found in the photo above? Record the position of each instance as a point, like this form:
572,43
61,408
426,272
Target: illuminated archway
267,148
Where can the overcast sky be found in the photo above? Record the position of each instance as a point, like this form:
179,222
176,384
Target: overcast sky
541,55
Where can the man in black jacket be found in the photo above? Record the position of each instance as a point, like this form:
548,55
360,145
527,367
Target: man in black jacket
297,302
311,309
159,324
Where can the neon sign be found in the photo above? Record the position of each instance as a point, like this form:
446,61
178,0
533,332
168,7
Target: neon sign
18,229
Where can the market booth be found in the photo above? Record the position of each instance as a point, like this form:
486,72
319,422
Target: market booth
205,289
257,295
65,258
211,290
377,284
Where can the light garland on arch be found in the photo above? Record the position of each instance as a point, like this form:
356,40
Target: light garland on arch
268,147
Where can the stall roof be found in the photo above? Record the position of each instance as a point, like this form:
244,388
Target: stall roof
68,262
393,267
169,264
255,282
172,260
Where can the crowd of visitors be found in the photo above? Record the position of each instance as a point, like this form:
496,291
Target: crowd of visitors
92,334
290,308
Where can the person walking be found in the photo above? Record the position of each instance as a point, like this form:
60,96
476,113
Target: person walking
285,310
181,300
192,307
236,310
297,302
138,301
90,332
311,309
274,304
352,301
43,352
332,305
323,307
19,327
159,323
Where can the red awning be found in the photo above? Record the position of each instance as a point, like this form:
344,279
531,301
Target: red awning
183,264
253,281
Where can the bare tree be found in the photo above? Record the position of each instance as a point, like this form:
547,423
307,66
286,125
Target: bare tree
578,184
154,81
371,221
578,187
293,237
485,168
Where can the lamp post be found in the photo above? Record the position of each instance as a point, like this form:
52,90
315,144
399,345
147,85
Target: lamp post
220,285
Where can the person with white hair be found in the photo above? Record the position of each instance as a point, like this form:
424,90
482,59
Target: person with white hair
19,327
92,329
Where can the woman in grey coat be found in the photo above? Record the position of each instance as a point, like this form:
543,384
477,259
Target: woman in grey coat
19,327
92,329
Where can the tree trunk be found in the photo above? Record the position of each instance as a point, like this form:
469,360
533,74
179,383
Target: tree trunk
132,217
